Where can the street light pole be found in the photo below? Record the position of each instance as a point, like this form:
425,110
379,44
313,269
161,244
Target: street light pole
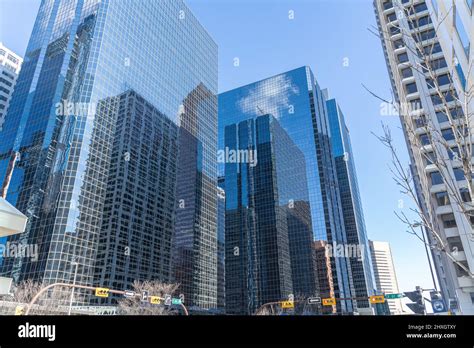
74,263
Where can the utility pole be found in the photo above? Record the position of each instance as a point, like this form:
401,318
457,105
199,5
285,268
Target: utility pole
74,263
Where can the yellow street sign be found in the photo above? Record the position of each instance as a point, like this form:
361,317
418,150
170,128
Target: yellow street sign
287,304
102,292
377,299
155,299
331,301
19,310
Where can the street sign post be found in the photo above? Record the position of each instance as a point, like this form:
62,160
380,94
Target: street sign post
129,294
176,301
287,304
314,300
167,300
331,301
20,310
145,295
438,306
102,292
155,300
393,296
377,299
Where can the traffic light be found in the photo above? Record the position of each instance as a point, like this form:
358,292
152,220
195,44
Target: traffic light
418,305
437,302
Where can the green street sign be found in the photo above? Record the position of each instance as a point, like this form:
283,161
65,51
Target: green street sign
393,296
176,301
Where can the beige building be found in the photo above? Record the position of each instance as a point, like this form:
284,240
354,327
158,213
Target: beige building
384,273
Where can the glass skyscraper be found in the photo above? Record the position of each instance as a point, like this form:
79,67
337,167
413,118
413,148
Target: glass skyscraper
82,52
295,100
268,222
138,219
356,234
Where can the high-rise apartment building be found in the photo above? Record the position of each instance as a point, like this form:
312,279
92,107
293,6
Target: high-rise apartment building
80,53
356,234
10,65
268,223
295,100
384,272
138,220
427,50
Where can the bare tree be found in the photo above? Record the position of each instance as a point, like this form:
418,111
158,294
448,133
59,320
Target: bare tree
441,149
53,302
135,305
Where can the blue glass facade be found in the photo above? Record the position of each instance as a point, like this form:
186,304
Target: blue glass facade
84,51
361,267
221,244
138,220
268,232
296,101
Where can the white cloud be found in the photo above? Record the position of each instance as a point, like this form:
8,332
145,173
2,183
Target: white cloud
271,96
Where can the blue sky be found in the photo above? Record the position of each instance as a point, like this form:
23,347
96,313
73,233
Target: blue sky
331,37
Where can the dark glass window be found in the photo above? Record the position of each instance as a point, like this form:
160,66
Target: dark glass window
465,195
453,153
392,17
438,63
447,134
407,72
416,104
429,158
424,139
411,88
448,220
442,198
432,49
387,5
399,43
394,30
436,178
402,58
424,35
459,174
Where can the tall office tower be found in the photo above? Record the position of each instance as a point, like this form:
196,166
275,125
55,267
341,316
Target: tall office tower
138,219
81,53
429,88
384,272
268,222
195,239
10,65
296,101
324,273
360,261
221,244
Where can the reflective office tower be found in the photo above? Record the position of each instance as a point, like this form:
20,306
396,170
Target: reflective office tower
418,48
268,222
81,53
324,273
221,244
138,219
384,272
296,101
195,238
10,65
360,261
